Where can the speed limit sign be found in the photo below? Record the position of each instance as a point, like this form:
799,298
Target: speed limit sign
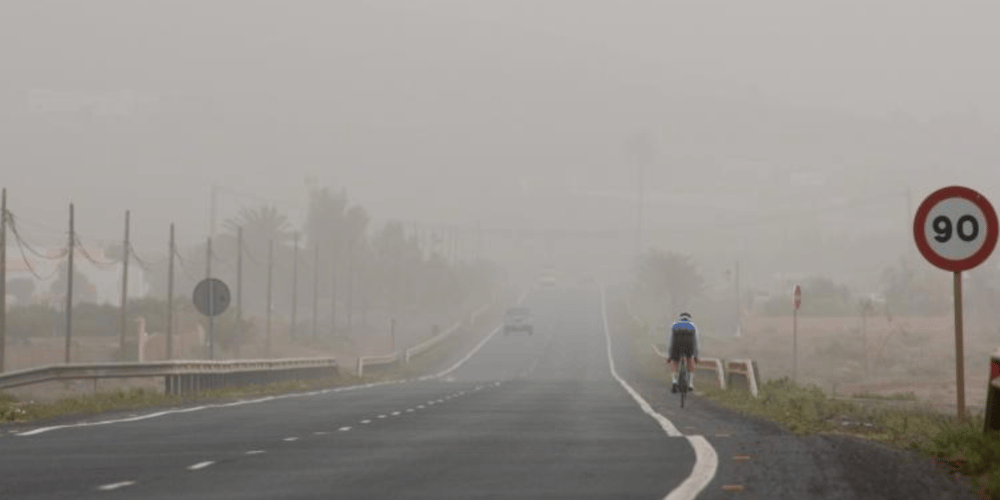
955,228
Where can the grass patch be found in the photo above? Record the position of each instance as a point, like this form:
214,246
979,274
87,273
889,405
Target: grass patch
14,411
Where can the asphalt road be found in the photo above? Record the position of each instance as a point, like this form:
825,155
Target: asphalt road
541,416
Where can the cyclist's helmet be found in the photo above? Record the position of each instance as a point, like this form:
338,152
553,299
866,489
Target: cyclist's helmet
685,316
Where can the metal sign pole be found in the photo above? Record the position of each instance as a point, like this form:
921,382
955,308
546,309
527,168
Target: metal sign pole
959,349
795,344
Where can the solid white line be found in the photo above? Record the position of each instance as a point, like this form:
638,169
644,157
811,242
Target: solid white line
254,452
115,486
200,465
466,358
706,461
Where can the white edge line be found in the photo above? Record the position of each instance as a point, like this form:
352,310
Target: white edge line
115,486
706,461
242,402
201,465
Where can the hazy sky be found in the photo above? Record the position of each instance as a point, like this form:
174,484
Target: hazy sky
461,111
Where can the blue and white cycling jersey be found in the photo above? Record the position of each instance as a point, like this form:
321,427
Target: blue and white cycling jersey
687,330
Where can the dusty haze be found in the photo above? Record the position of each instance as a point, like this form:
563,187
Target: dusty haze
782,133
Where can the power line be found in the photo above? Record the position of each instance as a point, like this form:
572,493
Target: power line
184,268
83,250
21,240
20,247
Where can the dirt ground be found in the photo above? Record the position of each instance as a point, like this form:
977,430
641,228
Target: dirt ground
883,356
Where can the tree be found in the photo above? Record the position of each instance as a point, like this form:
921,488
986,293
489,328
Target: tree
261,225
670,276
83,289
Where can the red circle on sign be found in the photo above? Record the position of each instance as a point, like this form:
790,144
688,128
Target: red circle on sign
920,219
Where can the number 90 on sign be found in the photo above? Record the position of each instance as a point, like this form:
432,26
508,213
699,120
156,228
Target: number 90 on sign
955,228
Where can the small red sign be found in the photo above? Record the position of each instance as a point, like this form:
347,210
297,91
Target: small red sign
994,369
797,297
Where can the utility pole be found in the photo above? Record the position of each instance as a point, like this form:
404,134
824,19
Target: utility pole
270,272
739,303
239,282
333,289
211,299
170,296
69,285
3,278
315,297
124,306
295,284
350,286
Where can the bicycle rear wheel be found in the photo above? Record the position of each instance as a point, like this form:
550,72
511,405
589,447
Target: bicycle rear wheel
683,383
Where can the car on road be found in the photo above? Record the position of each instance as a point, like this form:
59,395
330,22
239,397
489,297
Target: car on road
517,319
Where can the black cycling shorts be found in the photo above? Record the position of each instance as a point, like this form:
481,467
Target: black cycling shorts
682,345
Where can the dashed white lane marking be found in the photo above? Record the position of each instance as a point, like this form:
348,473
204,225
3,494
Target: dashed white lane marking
201,465
706,461
115,486
291,439
381,416
395,413
421,407
344,429
366,421
254,452
409,410
431,403
320,433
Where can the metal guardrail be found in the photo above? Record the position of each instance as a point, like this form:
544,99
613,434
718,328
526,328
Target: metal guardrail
383,360
707,364
183,376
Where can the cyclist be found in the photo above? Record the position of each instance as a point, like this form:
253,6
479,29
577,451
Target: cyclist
683,342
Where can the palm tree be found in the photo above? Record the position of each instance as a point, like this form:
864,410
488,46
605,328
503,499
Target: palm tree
261,225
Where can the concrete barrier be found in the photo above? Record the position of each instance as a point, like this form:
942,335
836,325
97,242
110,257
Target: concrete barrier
708,365
743,370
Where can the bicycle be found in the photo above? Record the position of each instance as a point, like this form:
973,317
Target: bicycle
682,379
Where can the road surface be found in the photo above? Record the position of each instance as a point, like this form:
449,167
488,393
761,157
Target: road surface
540,416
